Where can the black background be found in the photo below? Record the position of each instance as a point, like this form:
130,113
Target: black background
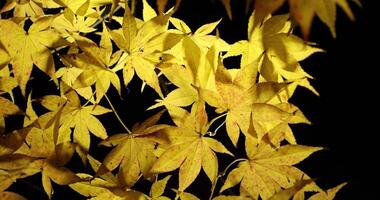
344,116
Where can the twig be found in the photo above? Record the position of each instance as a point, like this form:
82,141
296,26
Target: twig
213,133
117,115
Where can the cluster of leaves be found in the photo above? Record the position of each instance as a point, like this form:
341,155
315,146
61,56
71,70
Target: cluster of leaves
253,98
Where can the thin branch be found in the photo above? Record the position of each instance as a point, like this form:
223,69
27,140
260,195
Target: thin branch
213,133
117,115
213,187
99,21
230,165
217,129
223,174
89,99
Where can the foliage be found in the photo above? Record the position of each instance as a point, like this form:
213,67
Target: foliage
86,46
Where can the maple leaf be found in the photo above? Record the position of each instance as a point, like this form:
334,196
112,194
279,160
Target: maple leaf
26,8
201,37
68,113
11,196
158,188
303,11
7,84
38,153
191,150
134,152
327,195
104,187
238,94
198,72
137,40
83,7
8,108
184,195
268,170
282,131
282,50
31,47
10,142
288,193
4,58
68,23
222,197
94,65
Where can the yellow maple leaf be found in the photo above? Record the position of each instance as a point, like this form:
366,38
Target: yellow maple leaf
93,66
104,187
8,108
31,47
303,11
69,113
68,23
268,170
327,195
191,151
282,50
198,72
137,40
244,100
134,152
158,188
11,196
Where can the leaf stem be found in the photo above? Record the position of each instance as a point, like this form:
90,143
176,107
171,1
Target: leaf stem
213,187
213,133
223,174
106,16
217,128
117,115
230,165
89,99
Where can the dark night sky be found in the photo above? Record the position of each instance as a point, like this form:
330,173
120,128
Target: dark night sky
343,117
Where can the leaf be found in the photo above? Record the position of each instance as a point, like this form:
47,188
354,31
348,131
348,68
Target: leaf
222,197
68,24
80,118
22,9
227,7
268,170
10,142
134,152
185,195
161,5
95,64
7,84
158,187
11,196
8,108
135,42
60,175
28,48
288,193
303,13
245,100
148,11
280,50
190,150
327,195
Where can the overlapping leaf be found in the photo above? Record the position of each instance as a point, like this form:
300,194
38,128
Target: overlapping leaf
190,151
268,170
31,47
134,152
